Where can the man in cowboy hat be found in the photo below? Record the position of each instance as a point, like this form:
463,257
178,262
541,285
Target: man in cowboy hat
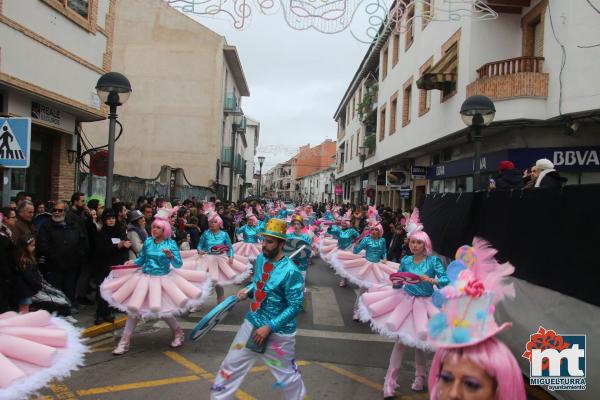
269,329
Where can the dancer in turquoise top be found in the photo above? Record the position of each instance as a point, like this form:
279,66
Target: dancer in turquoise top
403,312
342,239
299,234
158,288
277,298
153,257
251,233
218,259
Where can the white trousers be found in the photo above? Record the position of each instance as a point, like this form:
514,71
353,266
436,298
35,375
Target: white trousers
279,357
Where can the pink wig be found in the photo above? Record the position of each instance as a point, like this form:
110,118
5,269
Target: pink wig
215,218
377,227
423,237
165,225
494,357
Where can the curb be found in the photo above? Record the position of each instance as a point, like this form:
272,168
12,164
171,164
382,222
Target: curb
95,330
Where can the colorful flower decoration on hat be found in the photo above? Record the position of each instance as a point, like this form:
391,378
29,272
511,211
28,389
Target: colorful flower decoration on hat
477,284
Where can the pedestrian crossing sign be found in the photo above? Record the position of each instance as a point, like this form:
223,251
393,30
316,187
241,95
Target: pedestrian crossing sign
15,142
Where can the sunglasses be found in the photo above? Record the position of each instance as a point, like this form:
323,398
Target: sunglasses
260,294
58,210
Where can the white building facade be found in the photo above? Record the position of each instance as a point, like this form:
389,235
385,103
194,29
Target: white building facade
422,76
317,187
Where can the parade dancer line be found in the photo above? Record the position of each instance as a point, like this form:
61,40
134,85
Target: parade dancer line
155,290
403,313
271,322
249,247
224,270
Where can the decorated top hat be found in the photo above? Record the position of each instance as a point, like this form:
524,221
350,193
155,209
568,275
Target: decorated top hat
298,218
468,303
276,228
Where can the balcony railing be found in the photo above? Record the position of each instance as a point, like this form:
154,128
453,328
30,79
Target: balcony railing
512,78
511,66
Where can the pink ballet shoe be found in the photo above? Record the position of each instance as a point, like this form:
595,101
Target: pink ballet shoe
123,346
178,339
418,384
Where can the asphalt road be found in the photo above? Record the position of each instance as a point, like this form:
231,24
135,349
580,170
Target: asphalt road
338,358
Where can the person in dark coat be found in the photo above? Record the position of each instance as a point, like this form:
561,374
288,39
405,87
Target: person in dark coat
62,246
112,248
28,280
548,177
396,244
509,178
7,261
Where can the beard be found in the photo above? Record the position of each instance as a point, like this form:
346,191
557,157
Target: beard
58,219
270,254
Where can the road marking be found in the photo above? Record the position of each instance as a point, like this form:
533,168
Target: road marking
263,368
61,391
137,385
325,308
190,365
353,376
184,362
101,349
312,333
104,327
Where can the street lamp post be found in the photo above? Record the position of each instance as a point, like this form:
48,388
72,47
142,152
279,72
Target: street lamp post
331,192
113,89
477,112
261,160
363,156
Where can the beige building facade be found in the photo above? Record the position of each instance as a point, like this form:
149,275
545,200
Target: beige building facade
187,84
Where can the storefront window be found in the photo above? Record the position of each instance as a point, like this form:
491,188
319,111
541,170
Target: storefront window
437,186
450,185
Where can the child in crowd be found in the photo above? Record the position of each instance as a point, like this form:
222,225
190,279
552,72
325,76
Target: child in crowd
28,280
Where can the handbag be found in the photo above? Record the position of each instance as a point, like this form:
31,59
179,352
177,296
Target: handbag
51,299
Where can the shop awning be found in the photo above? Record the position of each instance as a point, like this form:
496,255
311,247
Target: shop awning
442,75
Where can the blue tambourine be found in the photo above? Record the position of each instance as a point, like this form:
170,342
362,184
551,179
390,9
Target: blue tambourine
214,317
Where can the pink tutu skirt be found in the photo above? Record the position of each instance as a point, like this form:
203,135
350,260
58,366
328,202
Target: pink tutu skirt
398,315
218,269
155,296
248,250
326,248
360,271
35,348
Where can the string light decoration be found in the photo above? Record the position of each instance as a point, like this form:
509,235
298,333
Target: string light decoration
335,16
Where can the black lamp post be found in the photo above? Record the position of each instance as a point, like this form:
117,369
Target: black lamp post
332,181
477,112
363,156
113,89
261,160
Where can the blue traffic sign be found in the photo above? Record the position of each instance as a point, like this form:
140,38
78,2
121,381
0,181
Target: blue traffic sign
15,142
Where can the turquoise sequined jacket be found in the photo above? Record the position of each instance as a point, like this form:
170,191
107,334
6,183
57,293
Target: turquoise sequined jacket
210,239
305,237
431,266
285,296
376,249
345,237
153,261
250,233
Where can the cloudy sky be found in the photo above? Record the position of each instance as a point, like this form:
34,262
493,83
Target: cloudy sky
296,78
